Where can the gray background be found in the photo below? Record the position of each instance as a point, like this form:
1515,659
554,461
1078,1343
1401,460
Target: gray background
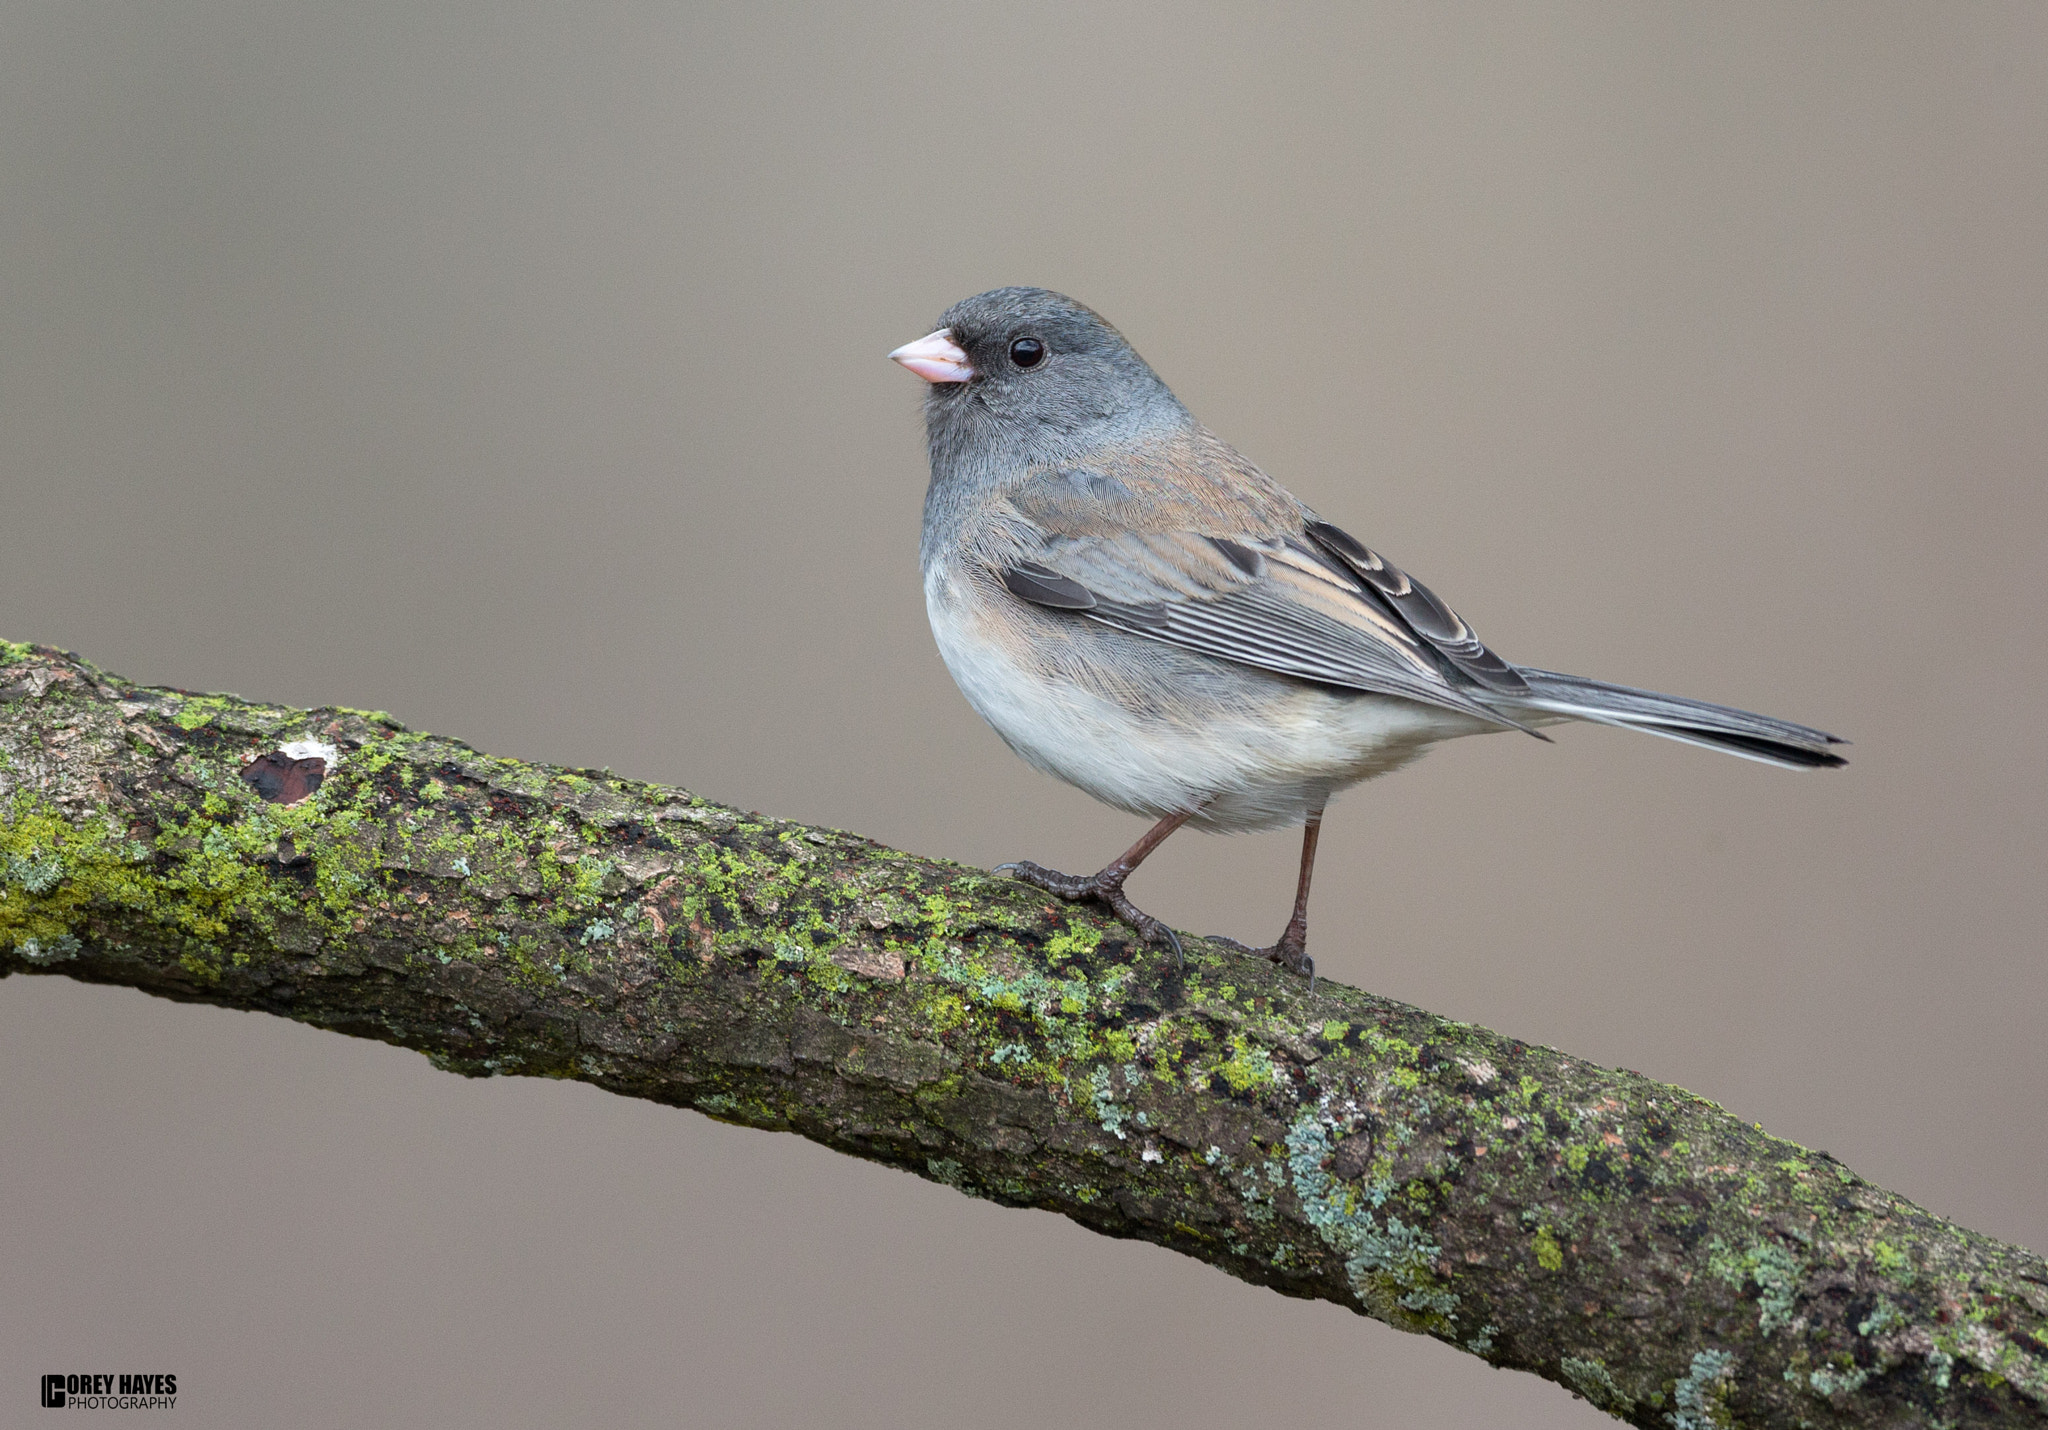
518,369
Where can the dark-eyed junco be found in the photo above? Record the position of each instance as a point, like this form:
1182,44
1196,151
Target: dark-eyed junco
1142,612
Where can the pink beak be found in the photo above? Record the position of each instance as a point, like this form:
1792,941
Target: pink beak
935,358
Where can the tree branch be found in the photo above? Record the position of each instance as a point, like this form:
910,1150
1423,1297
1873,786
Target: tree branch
1672,1264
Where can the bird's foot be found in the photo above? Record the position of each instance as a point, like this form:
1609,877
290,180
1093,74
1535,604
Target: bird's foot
1105,888
1290,952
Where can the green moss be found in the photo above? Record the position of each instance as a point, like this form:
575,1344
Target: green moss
1388,1046
57,873
826,975
12,652
197,711
1249,1068
1549,1255
587,884
1075,939
212,877
532,967
943,1009
374,717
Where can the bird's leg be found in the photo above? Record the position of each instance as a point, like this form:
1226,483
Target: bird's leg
1291,949
1106,886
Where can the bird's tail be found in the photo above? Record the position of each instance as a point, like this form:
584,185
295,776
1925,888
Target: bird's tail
1754,737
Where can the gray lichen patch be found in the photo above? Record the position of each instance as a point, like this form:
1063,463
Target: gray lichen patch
1591,1379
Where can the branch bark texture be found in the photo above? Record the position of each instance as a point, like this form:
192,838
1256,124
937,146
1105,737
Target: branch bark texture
1674,1265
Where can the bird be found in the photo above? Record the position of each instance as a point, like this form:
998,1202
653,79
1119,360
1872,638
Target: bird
1142,612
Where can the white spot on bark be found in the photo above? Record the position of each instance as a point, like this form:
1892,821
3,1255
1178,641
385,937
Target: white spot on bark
312,749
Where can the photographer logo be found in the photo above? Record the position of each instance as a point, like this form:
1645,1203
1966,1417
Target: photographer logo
110,1392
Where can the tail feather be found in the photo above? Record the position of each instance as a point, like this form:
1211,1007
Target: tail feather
1716,727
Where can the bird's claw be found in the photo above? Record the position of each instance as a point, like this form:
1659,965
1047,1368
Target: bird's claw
1290,956
1098,889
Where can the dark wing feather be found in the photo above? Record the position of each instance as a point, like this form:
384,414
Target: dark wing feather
1043,586
1420,609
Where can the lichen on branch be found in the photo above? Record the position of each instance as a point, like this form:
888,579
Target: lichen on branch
1628,1240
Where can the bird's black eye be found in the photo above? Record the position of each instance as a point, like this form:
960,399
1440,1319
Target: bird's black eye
1027,352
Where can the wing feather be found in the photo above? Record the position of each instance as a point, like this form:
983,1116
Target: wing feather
1278,604
1419,607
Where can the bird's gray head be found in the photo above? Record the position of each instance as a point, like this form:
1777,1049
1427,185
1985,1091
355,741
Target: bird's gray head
1023,375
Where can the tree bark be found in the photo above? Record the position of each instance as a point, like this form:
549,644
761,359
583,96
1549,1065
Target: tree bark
1674,1265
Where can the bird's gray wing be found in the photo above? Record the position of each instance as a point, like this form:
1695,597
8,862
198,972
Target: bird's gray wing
1313,604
